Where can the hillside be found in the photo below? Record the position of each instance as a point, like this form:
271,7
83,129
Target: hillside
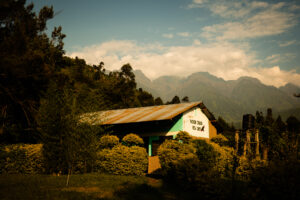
229,99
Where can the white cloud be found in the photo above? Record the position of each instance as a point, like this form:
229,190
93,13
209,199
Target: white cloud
248,19
184,34
196,4
265,23
169,36
221,59
287,43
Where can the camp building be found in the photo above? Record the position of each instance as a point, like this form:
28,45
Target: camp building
157,123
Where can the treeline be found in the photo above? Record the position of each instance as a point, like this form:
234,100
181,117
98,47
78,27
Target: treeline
35,73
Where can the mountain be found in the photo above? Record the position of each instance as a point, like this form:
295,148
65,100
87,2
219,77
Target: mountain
229,99
290,89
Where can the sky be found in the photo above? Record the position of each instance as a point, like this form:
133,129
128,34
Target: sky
227,38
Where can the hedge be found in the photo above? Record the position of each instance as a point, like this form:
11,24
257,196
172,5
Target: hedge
22,158
108,141
132,140
123,160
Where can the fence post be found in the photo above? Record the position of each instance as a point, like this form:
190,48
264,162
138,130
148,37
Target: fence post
257,155
237,137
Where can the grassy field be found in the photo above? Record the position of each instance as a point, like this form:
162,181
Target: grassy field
87,186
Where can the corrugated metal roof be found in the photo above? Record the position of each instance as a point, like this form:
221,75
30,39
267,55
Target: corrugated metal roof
141,114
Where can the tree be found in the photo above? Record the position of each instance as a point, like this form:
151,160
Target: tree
269,118
175,100
28,59
66,143
185,99
145,98
158,101
279,125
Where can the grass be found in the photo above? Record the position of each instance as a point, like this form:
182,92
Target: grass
87,186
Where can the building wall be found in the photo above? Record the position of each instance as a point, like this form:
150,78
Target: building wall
212,130
196,123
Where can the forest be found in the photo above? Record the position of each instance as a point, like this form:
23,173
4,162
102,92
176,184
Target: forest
43,92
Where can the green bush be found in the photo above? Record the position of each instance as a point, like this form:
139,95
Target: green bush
132,140
22,158
184,137
123,160
172,154
205,152
108,141
220,140
224,160
215,157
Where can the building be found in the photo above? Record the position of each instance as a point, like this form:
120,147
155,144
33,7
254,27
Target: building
248,122
157,123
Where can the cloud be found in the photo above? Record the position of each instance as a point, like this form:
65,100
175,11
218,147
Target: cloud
249,19
275,58
169,36
226,60
236,9
266,23
287,43
184,34
196,4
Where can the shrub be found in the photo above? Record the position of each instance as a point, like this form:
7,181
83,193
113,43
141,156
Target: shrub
184,137
215,157
108,141
205,152
172,154
22,158
224,160
220,140
198,166
123,160
132,140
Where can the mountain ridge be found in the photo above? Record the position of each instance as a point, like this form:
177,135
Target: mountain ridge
229,99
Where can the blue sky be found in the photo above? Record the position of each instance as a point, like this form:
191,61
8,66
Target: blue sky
227,38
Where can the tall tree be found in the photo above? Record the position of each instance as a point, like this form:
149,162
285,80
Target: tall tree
28,59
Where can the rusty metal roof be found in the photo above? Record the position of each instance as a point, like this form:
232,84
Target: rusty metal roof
141,114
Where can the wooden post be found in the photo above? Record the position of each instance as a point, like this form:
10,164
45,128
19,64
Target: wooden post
237,137
257,155
248,142
245,147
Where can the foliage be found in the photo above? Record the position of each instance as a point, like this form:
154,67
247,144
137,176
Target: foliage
67,144
220,140
227,130
123,160
145,98
175,100
132,140
108,141
184,137
28,59
185,99
158,101
22,159
172,154
276,180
